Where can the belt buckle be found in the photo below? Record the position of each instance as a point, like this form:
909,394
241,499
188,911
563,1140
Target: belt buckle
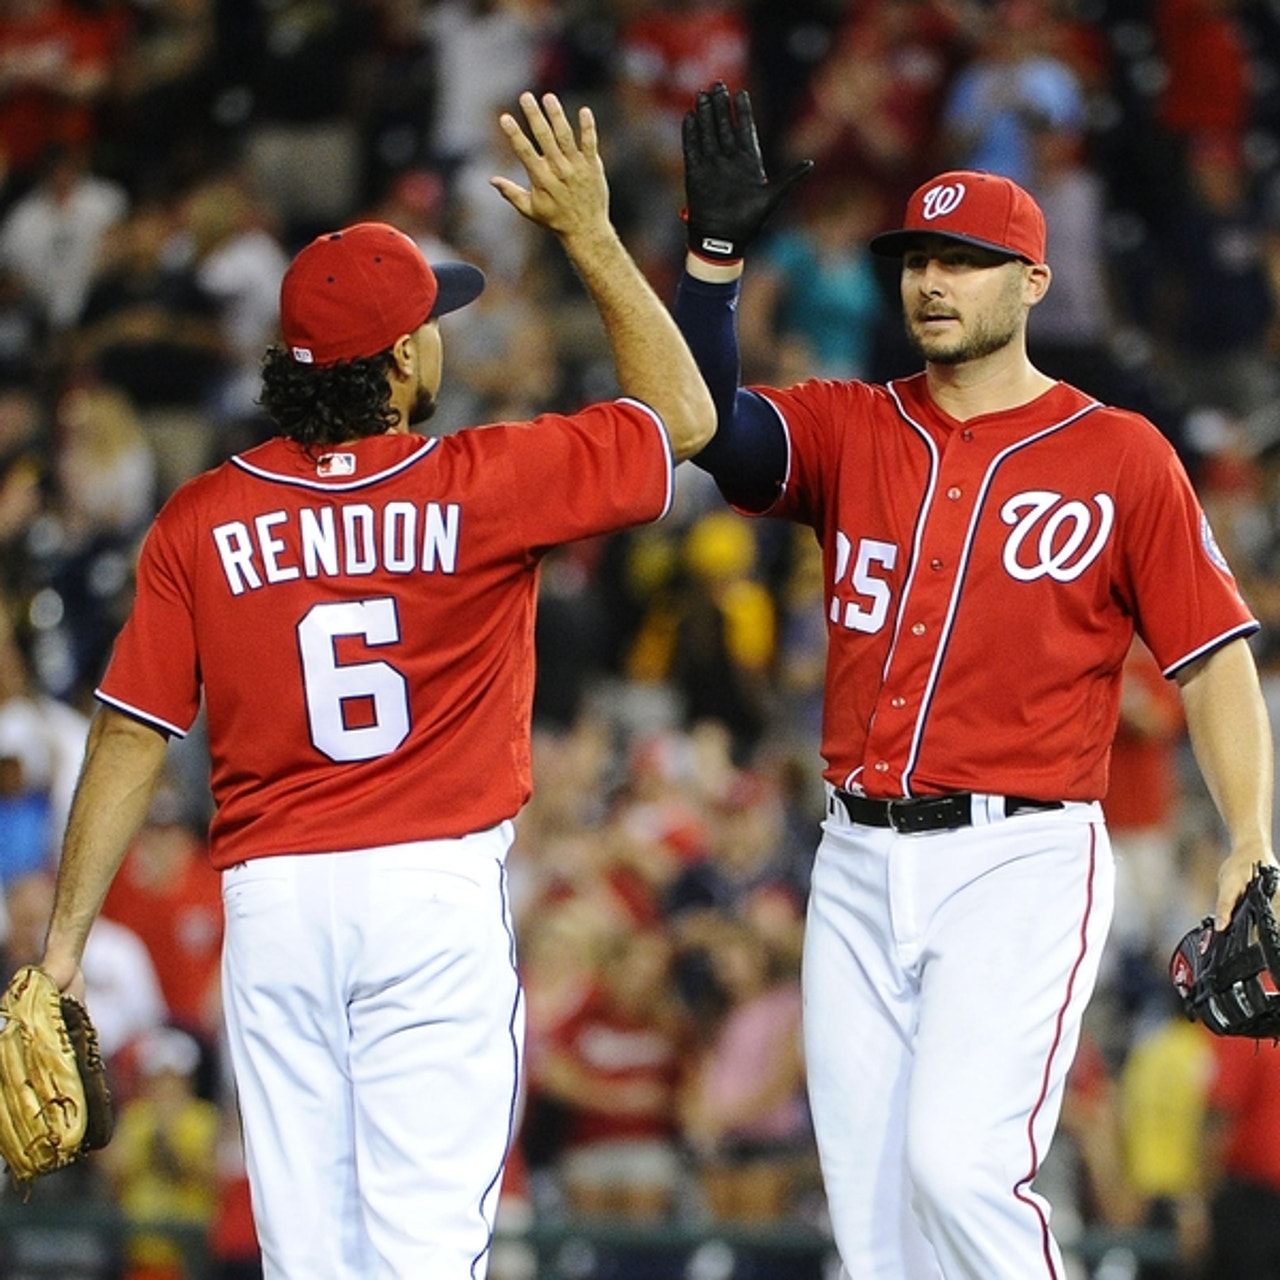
898,815
929,813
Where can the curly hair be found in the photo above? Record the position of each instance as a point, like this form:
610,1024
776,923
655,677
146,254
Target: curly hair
318,406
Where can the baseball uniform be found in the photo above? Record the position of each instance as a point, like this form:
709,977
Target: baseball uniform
984,580
358,621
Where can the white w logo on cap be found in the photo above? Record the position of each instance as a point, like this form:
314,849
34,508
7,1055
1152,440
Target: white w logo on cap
940,201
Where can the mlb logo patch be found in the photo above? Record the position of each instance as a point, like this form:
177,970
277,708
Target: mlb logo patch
1210,544
332,465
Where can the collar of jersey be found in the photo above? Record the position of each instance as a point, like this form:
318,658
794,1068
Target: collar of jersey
278,475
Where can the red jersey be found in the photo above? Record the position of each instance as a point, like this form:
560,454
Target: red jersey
1203,46
1246,1090
673,54
42,53
629,1054
179,918
361,624
1144,788
985,579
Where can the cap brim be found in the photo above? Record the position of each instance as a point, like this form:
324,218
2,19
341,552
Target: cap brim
893,244
459,282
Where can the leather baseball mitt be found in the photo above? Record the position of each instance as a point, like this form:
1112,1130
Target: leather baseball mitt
55,1104
1230,980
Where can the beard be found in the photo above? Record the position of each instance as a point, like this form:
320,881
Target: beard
983,337
423,408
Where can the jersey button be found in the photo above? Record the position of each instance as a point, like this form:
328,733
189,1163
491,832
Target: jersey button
935,563
882,766
953,493
918,629
966,434
899,701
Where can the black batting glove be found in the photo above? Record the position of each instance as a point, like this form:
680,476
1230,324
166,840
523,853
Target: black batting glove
728,195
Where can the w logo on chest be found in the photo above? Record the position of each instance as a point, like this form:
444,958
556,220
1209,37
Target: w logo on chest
1054,537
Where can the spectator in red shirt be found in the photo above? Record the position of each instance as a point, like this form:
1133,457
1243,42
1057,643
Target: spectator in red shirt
56,61
1206,90
615,1068
666,51
1141,806
1243,1160
871,108
170,896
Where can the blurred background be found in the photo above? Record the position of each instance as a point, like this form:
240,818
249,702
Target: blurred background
161,160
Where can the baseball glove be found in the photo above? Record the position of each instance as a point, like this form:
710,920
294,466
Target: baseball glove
1230,980
55,1104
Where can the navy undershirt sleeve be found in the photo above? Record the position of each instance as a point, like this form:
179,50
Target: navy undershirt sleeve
748,454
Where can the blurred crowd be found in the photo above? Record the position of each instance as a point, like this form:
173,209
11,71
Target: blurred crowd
161,160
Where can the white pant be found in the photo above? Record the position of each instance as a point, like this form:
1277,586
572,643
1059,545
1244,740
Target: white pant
375,1022
945,978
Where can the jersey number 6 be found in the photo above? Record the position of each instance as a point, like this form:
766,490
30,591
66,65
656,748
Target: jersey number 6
333,688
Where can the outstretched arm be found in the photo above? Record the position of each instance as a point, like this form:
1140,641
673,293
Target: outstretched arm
748,454
729,197
123,760
569,195
1231,737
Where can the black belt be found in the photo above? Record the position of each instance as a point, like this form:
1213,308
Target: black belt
928,813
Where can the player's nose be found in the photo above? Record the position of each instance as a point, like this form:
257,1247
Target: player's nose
932,278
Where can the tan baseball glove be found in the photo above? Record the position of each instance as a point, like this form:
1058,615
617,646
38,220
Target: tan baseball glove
55,1104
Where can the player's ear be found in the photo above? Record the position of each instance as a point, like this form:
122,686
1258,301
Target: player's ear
404,354
1036,281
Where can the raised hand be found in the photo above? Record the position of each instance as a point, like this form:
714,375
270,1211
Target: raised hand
728,195
568,192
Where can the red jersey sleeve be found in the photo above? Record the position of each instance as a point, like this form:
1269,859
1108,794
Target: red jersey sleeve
583,488
1183,596
154,671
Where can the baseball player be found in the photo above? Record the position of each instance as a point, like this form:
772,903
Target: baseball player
992,540
354,603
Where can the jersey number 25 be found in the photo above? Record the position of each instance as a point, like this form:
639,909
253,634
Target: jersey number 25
869,611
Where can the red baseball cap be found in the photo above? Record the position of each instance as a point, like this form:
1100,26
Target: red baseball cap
982,209
350,294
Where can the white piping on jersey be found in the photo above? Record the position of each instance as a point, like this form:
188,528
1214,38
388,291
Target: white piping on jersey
1244,629
304,482
666,441
913,560
966,550
325,486
138,714
913,563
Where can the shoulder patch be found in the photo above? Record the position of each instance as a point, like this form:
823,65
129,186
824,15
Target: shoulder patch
1210,544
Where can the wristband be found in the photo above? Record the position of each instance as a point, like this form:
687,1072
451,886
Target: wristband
708,247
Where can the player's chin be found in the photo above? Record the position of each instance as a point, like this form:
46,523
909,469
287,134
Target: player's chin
938,348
